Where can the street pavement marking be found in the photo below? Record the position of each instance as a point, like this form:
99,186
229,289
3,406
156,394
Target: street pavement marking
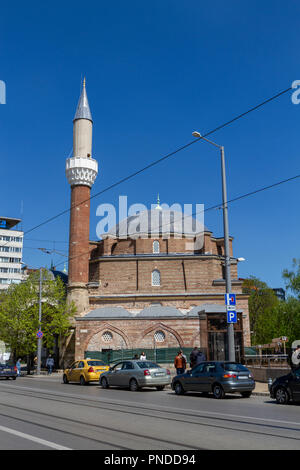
33,438
152,407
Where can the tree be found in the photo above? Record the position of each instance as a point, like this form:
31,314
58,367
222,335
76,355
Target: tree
262,302
292,278
19,313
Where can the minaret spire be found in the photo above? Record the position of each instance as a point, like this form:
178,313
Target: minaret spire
83,109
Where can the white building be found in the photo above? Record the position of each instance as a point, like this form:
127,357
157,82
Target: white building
11,248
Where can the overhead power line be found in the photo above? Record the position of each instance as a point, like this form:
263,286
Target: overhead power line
216,206
159,160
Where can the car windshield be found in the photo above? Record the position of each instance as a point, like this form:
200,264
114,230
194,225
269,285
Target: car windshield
148,365
233,366
95,363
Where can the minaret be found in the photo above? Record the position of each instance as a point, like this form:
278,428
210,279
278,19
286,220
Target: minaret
81,172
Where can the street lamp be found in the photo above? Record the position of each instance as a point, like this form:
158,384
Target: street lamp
230,329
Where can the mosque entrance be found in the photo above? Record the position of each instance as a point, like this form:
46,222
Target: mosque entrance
218,337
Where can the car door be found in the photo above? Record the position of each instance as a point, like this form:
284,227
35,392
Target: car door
72,373
116,374
126,373
295,385
208,376
79,370
194,380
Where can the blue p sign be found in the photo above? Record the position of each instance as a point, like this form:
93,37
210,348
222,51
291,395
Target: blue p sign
231,316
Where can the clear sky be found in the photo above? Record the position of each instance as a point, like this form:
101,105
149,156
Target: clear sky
155,72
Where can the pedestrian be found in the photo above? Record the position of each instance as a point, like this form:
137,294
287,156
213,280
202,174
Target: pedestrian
18,366
296,358
135,357
180,363
200,357
193,357
184,357
143,356
50,364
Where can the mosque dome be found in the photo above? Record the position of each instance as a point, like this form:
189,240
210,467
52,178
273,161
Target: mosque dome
158,222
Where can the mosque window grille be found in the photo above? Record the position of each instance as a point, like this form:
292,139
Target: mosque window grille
107,337
159,336
156,278
155,246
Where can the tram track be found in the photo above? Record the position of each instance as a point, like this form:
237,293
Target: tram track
161,413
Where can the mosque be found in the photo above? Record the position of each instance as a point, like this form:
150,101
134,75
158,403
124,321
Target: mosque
148,283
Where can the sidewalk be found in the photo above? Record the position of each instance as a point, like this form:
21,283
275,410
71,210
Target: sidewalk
261,388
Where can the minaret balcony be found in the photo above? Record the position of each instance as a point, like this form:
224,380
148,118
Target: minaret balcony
81,171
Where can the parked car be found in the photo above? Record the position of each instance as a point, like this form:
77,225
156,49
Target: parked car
135,375
8,371
217,377
286,388
85,371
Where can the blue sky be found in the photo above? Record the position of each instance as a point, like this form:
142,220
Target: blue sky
155,72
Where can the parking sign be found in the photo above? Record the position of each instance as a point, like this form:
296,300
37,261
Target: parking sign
231,316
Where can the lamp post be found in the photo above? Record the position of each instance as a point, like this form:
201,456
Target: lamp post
39,348
230,329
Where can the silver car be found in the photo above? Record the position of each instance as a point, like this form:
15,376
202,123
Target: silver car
135,375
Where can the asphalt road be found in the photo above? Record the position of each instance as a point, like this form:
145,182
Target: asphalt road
43,413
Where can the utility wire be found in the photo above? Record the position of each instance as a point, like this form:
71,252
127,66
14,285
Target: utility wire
217,206
156,162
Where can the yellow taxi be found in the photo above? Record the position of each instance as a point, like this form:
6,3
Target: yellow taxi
85,371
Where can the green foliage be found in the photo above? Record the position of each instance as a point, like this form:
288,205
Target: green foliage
272,318
19,313
262,302
292,278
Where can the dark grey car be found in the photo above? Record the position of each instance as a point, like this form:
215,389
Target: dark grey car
216,377
136,375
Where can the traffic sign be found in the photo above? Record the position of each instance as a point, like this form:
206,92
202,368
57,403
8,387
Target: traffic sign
230,299
39,334
231,316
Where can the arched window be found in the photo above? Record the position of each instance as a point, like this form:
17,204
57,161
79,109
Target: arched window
156,246
155,278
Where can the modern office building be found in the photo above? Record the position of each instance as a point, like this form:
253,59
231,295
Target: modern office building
11,248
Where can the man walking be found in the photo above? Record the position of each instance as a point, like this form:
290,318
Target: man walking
18,366
193,357
50,364
200,357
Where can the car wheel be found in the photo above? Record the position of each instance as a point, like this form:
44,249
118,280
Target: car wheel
246,394
178,388
104,383
82,380
282,396
14,378
218,392
65,379
160,387
133,385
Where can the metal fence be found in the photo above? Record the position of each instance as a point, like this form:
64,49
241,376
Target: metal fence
160,355
267,360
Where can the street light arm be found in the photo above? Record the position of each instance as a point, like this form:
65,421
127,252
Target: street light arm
199,136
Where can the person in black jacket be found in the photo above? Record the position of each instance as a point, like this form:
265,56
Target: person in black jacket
193,357
200,357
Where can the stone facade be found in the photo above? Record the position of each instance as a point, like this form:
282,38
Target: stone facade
120,275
